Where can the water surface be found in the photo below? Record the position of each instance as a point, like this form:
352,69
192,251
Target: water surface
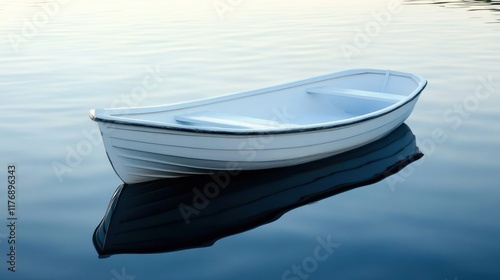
435,219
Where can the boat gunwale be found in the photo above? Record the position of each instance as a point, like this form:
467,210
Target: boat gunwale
422,83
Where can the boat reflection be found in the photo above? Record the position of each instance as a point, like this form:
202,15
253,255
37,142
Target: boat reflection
182,213
470,5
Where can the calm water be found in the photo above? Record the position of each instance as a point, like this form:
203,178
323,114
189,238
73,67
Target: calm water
438,218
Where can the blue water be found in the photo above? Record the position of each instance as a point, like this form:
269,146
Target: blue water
438,218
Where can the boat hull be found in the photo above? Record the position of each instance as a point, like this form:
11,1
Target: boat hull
140,154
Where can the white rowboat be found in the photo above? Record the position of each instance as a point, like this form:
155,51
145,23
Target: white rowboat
272,127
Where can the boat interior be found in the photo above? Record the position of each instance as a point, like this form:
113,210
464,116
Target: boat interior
291,105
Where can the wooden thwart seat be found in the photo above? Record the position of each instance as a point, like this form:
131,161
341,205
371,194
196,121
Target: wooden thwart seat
372,95
210,118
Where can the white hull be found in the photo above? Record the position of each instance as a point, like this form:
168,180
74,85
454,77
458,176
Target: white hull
141,148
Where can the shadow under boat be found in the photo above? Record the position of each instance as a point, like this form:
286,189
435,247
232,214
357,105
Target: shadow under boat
182,213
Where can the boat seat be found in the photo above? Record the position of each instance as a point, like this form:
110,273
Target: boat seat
364,94
225,120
